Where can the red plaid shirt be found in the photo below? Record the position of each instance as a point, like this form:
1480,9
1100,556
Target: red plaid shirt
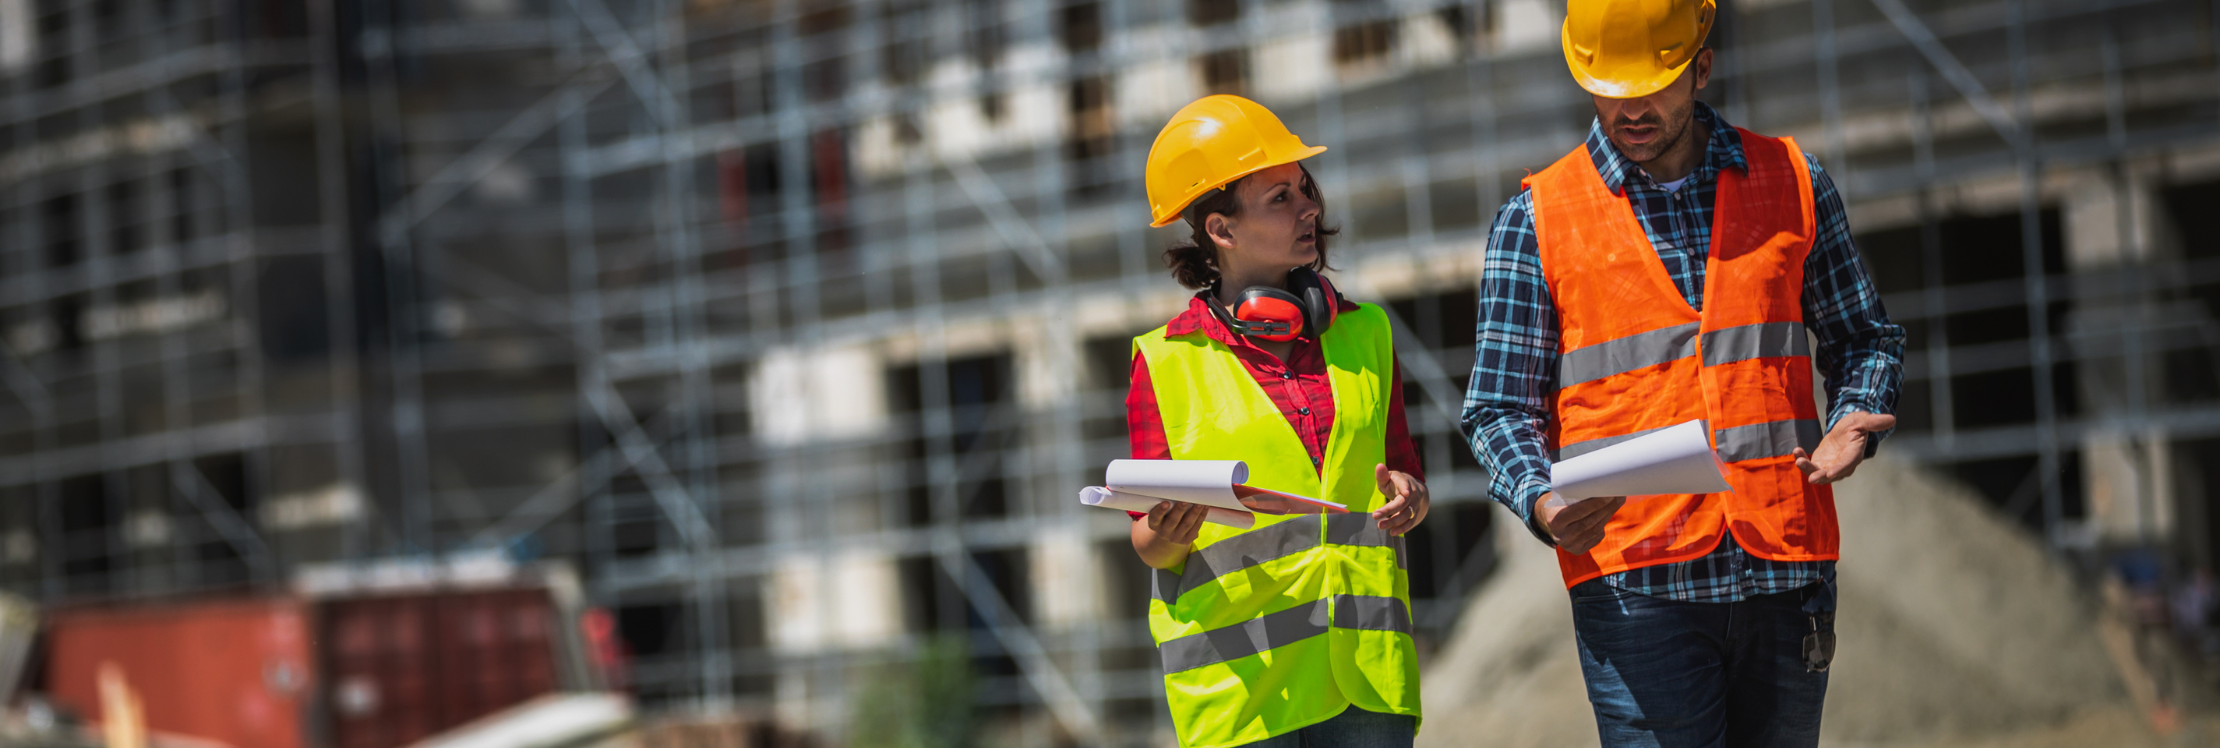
1297,386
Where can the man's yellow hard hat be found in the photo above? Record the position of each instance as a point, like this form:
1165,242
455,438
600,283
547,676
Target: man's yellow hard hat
1212,141
1624,49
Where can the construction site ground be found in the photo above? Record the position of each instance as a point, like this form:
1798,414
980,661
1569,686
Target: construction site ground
1957,630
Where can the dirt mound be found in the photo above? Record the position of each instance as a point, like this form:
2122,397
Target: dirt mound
1954,625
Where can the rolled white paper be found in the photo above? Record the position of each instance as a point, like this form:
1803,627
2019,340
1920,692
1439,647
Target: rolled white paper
1673,460
1133,502
1206,482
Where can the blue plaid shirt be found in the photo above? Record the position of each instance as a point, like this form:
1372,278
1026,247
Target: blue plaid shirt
1506,403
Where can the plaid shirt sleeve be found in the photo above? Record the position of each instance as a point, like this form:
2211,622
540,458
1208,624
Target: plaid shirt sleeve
1506,402
1860,353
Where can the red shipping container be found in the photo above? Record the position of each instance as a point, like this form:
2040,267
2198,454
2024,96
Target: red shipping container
236,671
403,668
392,669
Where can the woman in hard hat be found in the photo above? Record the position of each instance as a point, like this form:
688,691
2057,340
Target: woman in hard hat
1296,631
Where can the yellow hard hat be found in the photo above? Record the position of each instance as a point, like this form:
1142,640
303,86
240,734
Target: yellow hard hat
1623,49
1212,141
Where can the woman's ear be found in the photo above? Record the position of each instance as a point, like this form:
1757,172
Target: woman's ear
1220,229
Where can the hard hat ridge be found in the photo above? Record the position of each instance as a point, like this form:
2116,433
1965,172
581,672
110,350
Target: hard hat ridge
1624,49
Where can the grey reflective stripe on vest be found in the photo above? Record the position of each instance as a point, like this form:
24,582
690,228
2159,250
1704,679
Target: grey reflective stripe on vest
1243,639
1371,613
1354,528
1577,449
1639,351
1164,585
1358,528
1761,440
1763,340
1236,553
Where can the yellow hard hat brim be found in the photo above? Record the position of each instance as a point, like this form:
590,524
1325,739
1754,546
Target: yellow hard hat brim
1618,84
1174,214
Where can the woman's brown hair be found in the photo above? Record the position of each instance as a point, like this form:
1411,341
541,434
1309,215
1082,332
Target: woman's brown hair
1194,262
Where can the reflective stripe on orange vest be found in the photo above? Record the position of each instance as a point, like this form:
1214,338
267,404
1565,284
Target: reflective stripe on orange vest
1637,358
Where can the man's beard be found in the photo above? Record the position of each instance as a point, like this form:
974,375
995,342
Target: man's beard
1670,131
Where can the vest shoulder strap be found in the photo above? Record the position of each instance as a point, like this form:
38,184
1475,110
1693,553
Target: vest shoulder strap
1365,325
1778,181
1565,174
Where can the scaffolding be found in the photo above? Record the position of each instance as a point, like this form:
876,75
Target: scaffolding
796,324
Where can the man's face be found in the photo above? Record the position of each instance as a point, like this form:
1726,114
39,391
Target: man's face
1647,127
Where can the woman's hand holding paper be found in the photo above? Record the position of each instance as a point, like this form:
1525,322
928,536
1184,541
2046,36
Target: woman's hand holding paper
1164,536
1177,522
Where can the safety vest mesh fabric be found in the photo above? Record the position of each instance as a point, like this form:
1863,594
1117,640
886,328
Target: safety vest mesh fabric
1284,625
1635,357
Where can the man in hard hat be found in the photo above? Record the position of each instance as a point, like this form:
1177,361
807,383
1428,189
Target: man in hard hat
1667,271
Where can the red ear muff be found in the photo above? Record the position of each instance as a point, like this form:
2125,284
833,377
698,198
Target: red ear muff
1269,313
1308,306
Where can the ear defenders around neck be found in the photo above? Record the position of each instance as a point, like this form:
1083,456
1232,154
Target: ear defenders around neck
1308,306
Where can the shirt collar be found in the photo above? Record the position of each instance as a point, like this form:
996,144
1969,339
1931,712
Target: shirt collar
1197,318
1722,150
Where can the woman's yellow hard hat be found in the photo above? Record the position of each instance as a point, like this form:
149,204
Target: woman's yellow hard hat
1210,142
1624,49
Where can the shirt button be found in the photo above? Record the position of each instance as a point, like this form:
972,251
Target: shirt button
1287,375
1305,410
1314,459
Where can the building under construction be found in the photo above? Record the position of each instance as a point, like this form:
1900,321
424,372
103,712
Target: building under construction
795,326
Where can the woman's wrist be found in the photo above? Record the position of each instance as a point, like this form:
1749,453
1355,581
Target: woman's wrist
1155,550
1167,557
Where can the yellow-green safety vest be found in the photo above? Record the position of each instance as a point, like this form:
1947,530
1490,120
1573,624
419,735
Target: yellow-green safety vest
1268,630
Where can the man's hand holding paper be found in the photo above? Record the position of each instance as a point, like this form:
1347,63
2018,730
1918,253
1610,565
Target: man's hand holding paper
1578,526
1673,460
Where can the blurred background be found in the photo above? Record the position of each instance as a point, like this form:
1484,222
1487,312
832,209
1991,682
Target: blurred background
515,373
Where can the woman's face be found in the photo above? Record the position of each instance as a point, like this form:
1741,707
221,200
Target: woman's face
1277,226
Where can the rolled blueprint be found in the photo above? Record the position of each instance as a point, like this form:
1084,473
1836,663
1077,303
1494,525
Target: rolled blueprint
1137,485
1673,460
1208,482
1133,502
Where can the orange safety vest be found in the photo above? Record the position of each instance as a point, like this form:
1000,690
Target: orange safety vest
1635,358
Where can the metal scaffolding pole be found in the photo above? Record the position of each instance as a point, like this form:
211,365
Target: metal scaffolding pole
2036,282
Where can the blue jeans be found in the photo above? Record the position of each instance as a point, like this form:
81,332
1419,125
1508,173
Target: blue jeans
1355,728
1668,674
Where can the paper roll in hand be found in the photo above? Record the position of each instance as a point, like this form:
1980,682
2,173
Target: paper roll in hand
1109,498
1137,486
1671,460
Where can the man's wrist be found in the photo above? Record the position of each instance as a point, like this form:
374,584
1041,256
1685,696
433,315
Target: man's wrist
1872,438
1530,500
